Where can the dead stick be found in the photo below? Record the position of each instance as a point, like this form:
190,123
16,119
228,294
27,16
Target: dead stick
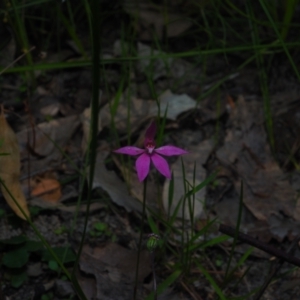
274,269
260,245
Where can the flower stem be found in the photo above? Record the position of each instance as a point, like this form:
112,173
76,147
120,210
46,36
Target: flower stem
141,239
152,254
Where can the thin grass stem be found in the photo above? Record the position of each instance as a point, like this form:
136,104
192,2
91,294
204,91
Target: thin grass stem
140,240
235,239
92,149
152,256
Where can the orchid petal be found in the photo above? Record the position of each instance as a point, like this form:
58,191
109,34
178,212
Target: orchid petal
130,150
142,165
161,165
150,134
151,131
170,150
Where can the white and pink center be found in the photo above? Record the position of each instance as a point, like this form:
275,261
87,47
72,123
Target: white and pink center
150,148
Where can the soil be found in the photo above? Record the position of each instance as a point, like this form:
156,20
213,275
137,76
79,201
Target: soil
64,93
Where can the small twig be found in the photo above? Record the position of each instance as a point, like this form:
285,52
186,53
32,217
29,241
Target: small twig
17,59
191,291
275,268
260,245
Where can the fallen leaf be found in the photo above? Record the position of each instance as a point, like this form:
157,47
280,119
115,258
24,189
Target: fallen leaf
141,110
267,193
167,71
48,189
152,17
44,139
159,66
42,146
10,169
112,184
50,110
114,268
88,284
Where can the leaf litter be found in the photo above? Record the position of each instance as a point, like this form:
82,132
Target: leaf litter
112,267
49,189
141,110
108,181
151,17
267,193
10,167
244,155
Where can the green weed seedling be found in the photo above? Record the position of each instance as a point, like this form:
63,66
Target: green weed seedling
2,213
99,229
17,251
48,296
34,210
61,230
64,254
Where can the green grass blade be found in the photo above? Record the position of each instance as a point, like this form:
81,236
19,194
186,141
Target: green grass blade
263,79
92,150
285,48
290,6
165,284
239,219
212,282
201,185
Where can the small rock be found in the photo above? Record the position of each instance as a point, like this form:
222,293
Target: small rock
34,270
63,288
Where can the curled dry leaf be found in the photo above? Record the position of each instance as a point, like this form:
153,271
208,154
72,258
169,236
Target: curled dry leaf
10,169
48,189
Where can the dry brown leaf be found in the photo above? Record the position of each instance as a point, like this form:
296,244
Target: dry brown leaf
140,110
10,169
40,139
114,269
154,18
108,181
48,189
266,192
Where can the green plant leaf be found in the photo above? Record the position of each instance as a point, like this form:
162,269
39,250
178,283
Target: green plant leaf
16,240
100,226
17,280
212,282
165,284
64,254
53,265
201,185
15,259
32,246
2,212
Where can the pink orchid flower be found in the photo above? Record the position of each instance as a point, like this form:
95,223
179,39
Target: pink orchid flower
150,153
